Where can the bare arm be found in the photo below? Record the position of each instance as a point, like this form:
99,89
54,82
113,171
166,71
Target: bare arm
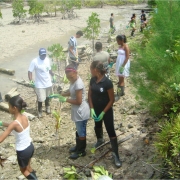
30,75
111,99
71,50
9,129
89,98
78,99
127,55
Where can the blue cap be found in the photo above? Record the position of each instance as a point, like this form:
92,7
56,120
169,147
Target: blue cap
42,51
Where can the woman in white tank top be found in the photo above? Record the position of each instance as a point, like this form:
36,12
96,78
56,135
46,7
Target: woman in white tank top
20,127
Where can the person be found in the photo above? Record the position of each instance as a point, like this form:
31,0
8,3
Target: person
101,99
143,20
43,85
80,111
20,127
102,56
133,24
72,49
122,64
111,21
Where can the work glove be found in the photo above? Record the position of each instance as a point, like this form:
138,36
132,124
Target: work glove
62,99
100,117
32,84
121,69
54,79
110,64
1,123
54,96
93,114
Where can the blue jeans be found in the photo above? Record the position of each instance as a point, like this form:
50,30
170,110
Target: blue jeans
81,128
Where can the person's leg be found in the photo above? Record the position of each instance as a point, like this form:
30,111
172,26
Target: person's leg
81,140
121,86
99,133
109,124
73,149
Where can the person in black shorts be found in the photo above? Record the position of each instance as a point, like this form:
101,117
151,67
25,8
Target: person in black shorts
20,127
101,99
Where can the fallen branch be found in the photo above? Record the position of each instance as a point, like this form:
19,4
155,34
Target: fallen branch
22,82
7,71
106,152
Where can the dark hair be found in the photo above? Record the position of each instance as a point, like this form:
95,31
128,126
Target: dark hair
111,14
142,11
121,38
79,33
17,102
99,65
98,46
70,68
133,15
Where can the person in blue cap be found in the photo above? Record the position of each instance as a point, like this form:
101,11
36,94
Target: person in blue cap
43,85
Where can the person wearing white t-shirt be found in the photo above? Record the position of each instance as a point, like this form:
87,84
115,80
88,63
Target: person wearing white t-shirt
43,85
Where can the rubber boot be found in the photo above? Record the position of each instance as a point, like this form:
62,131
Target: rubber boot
31,176
34,173
48,111
99,135
73,149
122,91
132,33
115,153
39,109
80,149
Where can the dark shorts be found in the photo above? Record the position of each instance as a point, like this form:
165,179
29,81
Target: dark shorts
24,156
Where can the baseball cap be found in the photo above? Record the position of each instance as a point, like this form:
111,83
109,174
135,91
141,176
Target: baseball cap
42,51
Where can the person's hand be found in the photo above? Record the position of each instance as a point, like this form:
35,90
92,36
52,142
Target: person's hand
93,114
32,84
121,69
100,117
62,99
54,79
54,96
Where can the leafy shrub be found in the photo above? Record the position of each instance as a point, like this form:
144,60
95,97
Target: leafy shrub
0,14
168,146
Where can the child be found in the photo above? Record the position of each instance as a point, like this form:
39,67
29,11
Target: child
101,99
133,24
122,63
80,111
20,127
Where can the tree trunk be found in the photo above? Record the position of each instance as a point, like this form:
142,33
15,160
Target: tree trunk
7,71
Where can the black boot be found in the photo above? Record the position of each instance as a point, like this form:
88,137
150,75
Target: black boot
115,153
80,150
132,33
122,91
73,149
39,109
48,111
31,176
99,135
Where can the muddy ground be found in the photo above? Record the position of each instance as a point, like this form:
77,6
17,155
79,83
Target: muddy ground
131,117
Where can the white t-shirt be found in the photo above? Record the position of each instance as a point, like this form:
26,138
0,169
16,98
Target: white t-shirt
41,68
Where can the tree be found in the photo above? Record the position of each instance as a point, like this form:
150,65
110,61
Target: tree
92,30
35,8
18,9
67,7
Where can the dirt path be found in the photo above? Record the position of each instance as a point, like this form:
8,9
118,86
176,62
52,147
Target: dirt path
131,117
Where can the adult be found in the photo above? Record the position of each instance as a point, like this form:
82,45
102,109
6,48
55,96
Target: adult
122,63
111,21
43,85
102,56
20,127
80,111
133,24
101,99
72,49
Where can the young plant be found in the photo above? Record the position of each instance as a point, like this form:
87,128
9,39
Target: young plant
0,14
18,9
99,171
58,119
92,30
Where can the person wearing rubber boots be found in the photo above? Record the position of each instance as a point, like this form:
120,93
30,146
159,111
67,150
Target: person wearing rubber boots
101,99
42,85
72,49
80,111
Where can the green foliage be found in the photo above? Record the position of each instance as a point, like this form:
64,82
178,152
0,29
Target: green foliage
93,27
57,116
93,150
68,5
0,14
35,8
18,9
51,6
93,3
99,171
168,145
152,3
157,65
